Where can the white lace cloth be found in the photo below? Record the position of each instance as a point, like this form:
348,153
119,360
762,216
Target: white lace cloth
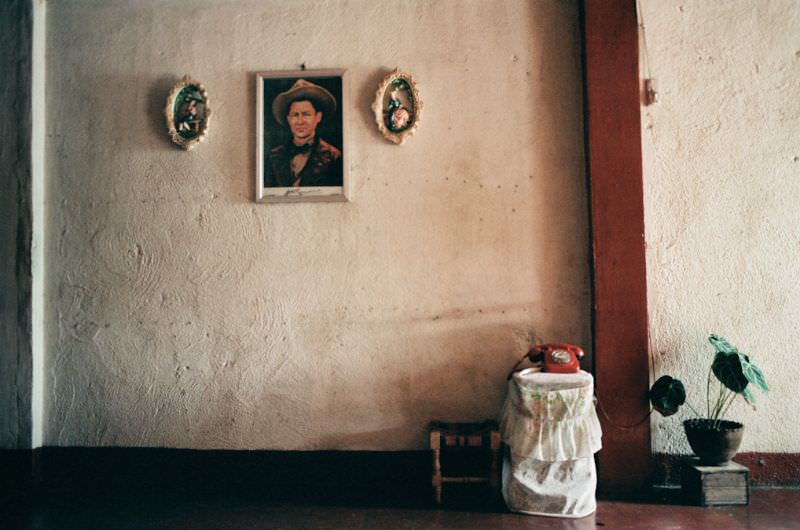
551,429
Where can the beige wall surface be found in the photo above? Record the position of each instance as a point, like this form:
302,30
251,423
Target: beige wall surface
180,313
722,160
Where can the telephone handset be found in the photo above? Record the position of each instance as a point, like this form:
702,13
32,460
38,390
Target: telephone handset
558,357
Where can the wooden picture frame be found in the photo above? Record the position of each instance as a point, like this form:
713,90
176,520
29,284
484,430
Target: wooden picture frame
187,113
397,107
301,137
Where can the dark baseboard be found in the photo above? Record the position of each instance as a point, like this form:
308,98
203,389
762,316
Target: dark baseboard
363,478
772,469
16,466
16,477
322,477
766,469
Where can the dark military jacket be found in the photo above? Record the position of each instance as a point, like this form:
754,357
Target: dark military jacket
323,167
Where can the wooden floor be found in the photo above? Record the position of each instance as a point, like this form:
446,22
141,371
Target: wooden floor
772,509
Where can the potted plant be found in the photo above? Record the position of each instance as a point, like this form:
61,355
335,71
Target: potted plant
712,438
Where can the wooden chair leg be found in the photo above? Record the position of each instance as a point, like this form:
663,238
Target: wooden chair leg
494,476
436,479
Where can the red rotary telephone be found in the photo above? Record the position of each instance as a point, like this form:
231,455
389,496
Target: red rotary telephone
558,357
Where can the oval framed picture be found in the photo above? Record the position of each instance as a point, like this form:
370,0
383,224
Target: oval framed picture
187,113
397,107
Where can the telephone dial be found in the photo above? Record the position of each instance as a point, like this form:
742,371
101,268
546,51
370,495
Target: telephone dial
558,357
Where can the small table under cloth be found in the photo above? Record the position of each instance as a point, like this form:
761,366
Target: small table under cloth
551,430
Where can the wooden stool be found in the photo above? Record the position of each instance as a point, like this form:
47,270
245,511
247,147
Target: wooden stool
465,453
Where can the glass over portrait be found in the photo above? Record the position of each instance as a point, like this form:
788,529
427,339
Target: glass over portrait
301,154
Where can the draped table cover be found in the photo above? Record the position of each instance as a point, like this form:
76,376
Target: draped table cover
551,430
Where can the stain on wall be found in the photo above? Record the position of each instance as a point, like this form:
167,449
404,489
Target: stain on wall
182,314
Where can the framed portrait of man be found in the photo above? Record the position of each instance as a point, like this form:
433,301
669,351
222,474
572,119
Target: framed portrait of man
301,141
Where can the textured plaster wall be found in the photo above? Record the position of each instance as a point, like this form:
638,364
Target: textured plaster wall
722,160
182,314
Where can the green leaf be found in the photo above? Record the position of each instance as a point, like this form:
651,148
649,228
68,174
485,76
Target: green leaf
721,344
749,396
727,367
667,395
754,375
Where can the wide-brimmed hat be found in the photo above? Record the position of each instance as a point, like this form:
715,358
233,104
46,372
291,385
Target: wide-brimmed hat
302,89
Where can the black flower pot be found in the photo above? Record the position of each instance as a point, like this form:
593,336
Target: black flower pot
714,441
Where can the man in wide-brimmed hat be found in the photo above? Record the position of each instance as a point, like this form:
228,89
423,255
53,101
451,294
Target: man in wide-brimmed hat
306,159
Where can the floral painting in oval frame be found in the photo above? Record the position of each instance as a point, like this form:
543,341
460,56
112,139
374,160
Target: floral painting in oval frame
187,113
397,106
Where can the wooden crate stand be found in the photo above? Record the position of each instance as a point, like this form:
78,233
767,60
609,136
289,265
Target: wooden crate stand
715,485
465,453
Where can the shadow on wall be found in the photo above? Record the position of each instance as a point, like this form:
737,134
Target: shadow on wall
562,271
458,374
156,101
365,97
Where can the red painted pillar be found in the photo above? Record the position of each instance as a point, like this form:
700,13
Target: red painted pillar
621,349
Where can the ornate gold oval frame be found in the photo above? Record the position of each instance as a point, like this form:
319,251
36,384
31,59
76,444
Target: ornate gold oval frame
385,104
187,129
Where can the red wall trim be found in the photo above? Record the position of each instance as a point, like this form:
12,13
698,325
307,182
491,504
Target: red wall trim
771,468
766,469
613,138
